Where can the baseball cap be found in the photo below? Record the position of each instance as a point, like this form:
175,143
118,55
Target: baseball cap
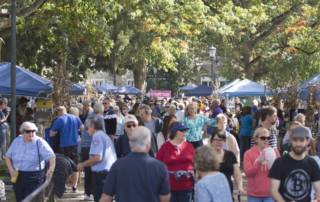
130,118
178,126
301,132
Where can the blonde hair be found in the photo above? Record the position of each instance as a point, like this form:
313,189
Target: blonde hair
192,104
260,131
301,118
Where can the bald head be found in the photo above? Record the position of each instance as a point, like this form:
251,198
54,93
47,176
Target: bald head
140,140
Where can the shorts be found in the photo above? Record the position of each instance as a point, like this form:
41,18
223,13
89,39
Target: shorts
71,152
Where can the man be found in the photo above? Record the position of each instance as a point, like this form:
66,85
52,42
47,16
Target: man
231,142
110,118
102,155
293,174
122,143
64,168
268,117
68,127
137,177
86,110
152,123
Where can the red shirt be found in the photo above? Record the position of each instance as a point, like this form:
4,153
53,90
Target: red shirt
178,158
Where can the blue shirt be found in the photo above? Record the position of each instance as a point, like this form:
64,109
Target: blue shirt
25,156
246,125
68,127
213,188
137,177
103,146
195,127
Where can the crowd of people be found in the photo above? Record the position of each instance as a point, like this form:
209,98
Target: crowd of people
178,150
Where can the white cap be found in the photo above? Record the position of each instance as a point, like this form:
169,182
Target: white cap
130,118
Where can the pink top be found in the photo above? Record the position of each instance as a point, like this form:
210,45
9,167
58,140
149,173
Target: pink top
257,175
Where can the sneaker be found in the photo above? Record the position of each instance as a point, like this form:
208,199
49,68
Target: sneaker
88,198
74,190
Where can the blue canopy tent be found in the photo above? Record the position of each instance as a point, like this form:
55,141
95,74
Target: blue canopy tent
106,88
28,83
130,90
187,87
200,91
76,89
245,88
228,85
304,87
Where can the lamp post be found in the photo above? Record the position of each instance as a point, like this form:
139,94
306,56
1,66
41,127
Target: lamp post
212,54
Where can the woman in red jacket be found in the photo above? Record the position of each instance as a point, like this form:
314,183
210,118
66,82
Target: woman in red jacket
178,155
256,164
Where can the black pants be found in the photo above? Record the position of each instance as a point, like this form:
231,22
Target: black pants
197,144
27,182
87,172
98,179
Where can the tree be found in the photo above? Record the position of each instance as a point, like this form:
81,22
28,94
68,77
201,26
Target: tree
249,34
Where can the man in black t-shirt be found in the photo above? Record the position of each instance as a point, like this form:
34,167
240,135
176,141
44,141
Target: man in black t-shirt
137,177
293,175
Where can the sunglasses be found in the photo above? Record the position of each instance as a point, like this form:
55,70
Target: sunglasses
29,131
105,103
131,125
265,138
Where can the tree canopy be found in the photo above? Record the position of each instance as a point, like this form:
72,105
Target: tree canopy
275,41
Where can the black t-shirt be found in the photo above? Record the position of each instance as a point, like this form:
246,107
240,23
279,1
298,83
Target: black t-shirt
226,166
137,177
295,177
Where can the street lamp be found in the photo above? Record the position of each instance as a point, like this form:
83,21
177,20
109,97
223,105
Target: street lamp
212,54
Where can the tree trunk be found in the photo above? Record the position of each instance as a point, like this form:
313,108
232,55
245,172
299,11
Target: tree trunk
140,75
60,95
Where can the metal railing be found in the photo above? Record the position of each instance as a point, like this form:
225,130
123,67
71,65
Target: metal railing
44,193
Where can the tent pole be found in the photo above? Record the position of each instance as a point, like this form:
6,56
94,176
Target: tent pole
13,69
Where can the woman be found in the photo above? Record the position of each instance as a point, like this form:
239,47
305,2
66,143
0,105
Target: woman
25,161
178,154
227,160
245,130
212,185
256,167
196,124
163,135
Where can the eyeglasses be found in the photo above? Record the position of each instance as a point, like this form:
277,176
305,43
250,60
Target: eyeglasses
29,131
105,103
264,138
131,125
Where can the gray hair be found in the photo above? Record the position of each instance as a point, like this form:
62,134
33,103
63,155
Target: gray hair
96,122
146,108
98,108
28,126
140,138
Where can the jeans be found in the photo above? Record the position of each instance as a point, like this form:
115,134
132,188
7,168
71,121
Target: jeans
181,196
3,137
260,199
197,144
87,172
245,144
